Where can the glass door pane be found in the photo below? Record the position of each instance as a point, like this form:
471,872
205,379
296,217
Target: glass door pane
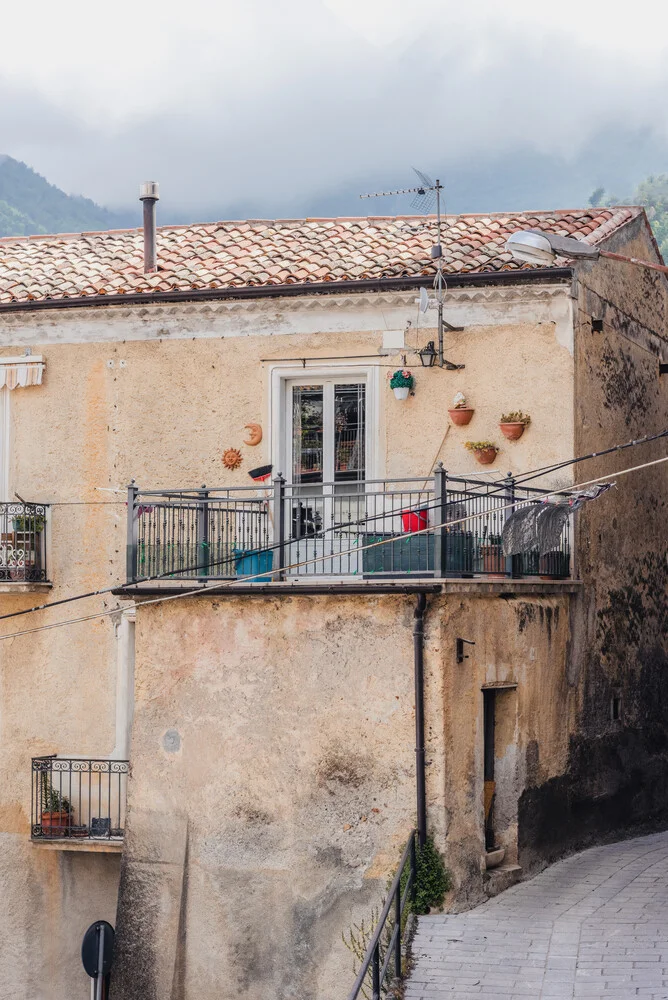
307,433
349,432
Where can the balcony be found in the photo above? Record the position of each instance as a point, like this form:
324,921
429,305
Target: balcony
347,531
23,528
78,803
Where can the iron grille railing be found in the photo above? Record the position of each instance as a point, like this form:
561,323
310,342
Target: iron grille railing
23,528
363,529
384,951
78,797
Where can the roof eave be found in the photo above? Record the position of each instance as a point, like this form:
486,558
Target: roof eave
517,276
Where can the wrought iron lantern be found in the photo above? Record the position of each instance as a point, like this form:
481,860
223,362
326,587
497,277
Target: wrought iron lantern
428,355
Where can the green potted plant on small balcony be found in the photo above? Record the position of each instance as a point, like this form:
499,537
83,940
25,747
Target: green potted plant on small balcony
29,523
25,544
56,811
484,451
513,424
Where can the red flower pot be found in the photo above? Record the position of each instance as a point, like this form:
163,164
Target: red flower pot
512,431
414,520
461,415
486,455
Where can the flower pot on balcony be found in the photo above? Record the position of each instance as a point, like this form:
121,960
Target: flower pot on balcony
461,416
414,520
55,824
554,565
493,559
512,431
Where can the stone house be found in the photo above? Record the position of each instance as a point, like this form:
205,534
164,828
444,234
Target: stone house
218,753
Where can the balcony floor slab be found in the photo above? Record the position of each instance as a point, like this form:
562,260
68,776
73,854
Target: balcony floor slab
480,586
89,846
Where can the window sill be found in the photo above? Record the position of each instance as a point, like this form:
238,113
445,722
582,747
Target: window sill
25,587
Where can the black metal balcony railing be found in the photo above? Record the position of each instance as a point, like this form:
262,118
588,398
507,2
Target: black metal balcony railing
360,530
78,797
23,529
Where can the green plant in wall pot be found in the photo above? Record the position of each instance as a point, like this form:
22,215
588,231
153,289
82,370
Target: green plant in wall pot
484,451
512,425
402,382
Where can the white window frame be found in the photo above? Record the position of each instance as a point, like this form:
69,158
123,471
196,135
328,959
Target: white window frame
280,409
4,444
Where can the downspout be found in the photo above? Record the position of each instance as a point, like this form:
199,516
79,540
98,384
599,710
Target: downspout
418,656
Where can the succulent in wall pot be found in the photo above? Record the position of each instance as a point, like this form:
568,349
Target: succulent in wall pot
484,451
402,382
461,413
512,425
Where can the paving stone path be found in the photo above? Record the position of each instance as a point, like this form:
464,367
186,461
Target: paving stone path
592,926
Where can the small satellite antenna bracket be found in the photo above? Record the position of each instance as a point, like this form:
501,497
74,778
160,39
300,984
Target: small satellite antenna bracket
428,193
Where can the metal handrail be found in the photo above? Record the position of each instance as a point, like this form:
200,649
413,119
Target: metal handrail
372,957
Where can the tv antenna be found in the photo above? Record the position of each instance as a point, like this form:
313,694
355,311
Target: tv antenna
426,194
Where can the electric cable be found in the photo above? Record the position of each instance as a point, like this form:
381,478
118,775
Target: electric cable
225,584
502,485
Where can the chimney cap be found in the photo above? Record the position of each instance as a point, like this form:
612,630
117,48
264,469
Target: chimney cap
149,189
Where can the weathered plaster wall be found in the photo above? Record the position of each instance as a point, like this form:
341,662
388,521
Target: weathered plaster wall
273,753
617,773
273,775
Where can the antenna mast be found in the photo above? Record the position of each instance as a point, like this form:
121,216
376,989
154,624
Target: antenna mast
423,202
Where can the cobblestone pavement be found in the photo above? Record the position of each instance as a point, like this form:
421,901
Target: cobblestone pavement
594,925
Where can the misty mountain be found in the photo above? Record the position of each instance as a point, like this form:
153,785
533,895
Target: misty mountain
29,205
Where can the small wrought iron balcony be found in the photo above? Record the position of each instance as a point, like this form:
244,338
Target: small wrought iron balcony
23,528
78,797
360,530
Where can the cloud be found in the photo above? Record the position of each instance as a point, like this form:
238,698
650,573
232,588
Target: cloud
269,109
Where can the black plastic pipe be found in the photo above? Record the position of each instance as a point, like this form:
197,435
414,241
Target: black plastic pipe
418,655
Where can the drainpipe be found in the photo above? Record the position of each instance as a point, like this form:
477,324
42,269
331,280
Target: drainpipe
418,655
148,194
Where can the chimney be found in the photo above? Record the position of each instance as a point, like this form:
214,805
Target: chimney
148,193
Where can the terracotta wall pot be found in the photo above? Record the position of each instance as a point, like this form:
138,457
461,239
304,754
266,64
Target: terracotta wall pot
512,431
461,416
486,455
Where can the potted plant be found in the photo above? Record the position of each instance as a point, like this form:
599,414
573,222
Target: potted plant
56,818
493,560
29,523
484,451
512,425
460,414
402,382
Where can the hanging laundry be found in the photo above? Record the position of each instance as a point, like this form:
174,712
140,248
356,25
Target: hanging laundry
538,526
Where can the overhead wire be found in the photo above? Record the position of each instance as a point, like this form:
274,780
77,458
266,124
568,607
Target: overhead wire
226,584
498,487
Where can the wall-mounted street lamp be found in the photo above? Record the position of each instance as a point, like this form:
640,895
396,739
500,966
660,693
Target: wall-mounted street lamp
532,246
428,355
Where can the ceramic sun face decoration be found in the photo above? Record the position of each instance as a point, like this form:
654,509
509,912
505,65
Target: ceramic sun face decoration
232,458
254,436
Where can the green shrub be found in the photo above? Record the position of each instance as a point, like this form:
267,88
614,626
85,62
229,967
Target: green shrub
433,878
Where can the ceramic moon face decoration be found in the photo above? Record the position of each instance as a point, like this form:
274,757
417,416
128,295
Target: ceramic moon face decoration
255,435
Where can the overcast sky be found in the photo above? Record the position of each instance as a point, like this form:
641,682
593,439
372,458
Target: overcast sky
283,106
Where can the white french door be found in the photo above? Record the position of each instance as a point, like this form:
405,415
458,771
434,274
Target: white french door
326,449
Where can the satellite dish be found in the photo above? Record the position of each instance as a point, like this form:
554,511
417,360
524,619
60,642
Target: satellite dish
424,300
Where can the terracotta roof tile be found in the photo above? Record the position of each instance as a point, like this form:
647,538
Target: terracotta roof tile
267,252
